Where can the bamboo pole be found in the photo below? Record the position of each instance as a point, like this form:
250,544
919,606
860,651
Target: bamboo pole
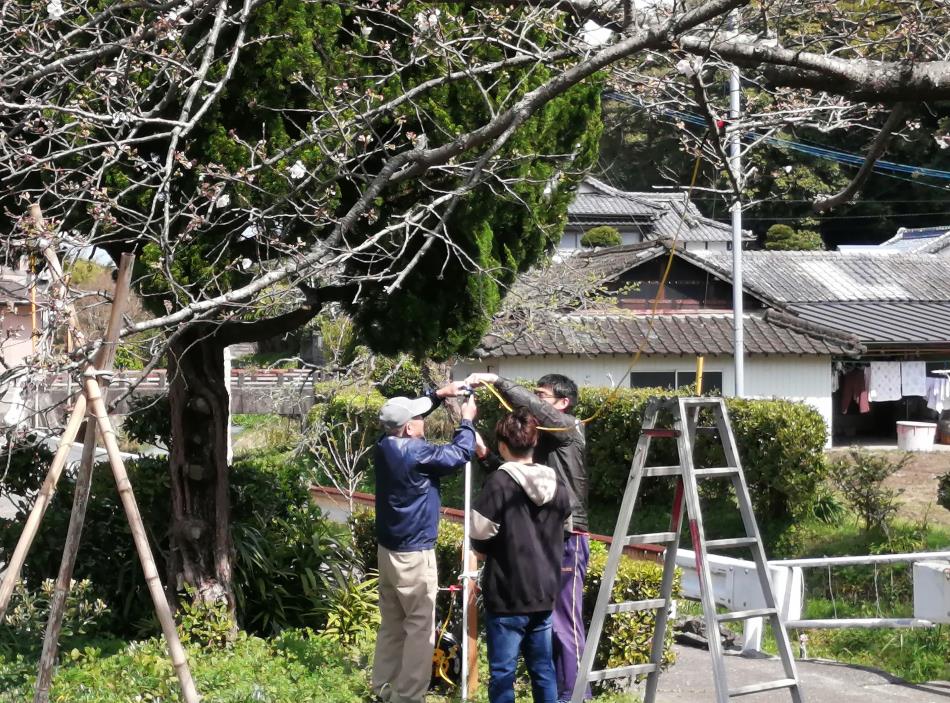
45,496
104,359
97,408
32,526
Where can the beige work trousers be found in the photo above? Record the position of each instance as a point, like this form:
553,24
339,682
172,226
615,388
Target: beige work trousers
408,584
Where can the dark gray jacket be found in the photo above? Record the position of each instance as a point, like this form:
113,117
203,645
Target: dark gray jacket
563,451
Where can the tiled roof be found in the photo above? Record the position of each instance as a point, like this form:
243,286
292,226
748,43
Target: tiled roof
824,276
915,239
657,215
14,286
936,245
691,334
884,323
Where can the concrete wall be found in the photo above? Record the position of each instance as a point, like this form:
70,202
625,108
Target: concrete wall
799,378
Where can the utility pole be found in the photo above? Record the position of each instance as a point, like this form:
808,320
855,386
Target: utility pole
735,165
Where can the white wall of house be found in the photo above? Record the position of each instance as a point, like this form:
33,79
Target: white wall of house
571,240
799,378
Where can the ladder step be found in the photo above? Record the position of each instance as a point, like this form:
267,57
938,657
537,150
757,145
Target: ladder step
651,538
718,472
635,670
707,430
634,606
745,614
730,543
761,687
655,471
660,432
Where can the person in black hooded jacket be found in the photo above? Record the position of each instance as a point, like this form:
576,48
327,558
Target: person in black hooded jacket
518,526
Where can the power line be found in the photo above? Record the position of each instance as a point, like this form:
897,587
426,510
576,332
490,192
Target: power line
842,157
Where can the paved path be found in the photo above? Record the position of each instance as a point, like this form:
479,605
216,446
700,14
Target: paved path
690,681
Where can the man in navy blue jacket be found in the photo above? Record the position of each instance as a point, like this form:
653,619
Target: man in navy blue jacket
408,471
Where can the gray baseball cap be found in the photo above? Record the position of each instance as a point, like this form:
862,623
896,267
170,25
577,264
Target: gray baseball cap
396,412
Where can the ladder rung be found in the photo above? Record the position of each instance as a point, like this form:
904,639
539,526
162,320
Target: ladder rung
635,670
633,606
745,614
730,543
701,401
708,430
660,432
654,471
651,538
760,687
717,472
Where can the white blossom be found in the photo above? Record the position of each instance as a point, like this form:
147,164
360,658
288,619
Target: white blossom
55,9
298,170
428,20
223,201
687,67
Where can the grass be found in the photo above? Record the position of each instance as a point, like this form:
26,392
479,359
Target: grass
295,667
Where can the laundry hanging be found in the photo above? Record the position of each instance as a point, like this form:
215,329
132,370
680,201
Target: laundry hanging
914,378
885,381
938,393
854,389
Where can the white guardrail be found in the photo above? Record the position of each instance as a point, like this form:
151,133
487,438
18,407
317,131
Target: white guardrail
736,587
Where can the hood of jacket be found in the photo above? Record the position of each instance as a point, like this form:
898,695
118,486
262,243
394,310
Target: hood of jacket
539,482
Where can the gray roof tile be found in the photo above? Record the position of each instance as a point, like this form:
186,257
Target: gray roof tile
824,276
689,334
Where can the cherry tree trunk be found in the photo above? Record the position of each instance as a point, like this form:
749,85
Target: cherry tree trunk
201,548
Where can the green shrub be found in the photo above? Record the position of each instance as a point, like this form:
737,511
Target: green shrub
294,667
943,491
84,616
287,551
399,376
860,476
781,445
603,236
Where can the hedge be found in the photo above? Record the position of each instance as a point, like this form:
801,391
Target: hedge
626,639
781,445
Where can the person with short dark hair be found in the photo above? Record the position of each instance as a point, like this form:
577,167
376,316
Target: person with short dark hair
518,525
561,446
408,471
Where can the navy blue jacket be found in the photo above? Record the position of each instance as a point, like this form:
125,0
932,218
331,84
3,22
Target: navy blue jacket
407,486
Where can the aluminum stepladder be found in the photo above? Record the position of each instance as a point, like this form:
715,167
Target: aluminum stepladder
684,430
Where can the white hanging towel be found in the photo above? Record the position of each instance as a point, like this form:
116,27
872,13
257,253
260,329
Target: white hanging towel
938,393
914,378
885,381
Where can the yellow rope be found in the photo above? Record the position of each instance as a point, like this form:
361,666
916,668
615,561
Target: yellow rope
650,323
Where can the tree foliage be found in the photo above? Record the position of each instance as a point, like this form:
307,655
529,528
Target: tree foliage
603,236
784,238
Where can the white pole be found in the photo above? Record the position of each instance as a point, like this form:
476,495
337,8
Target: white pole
466,580
735,164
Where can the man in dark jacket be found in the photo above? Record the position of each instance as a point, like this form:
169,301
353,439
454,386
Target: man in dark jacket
518,525
560,446
408,470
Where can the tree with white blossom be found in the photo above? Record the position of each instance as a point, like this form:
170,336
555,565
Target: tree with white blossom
266,158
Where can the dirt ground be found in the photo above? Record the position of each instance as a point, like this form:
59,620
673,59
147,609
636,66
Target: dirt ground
919,481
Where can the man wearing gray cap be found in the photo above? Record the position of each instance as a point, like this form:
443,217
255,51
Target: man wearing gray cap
408,470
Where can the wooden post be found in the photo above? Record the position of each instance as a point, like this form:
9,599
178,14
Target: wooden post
180,662
471,630
104,359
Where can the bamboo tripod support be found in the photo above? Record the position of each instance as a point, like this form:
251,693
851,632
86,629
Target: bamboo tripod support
91,399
